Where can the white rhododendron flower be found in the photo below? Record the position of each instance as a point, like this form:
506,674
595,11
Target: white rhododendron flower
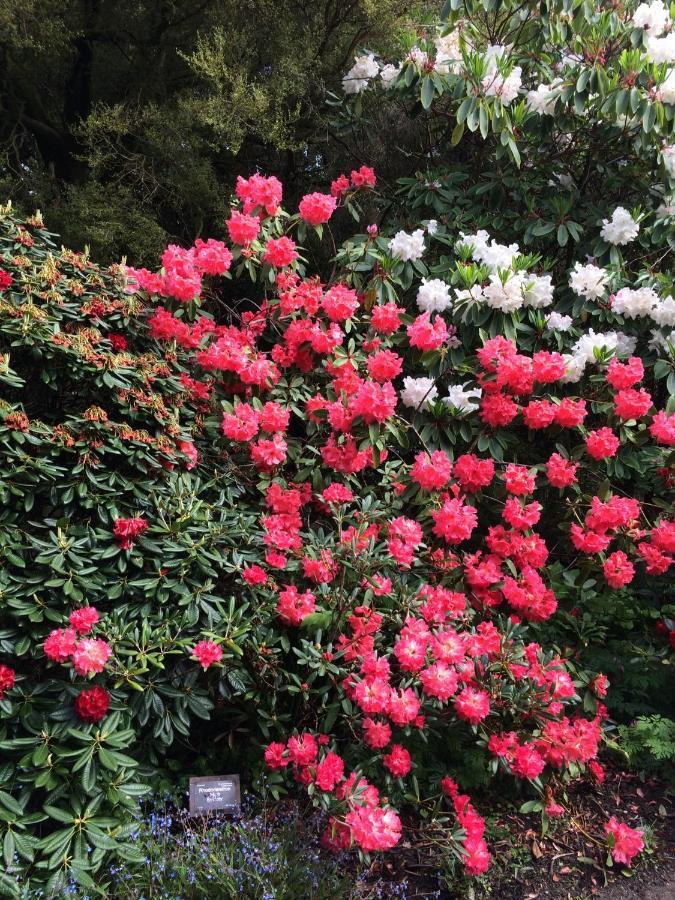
621,228
407,246
557,322
666,90
433,296
588,281
635,304
448,53
494,83
505,295
418,393
473,294
418,57
542,101
664,312
660,341
588,343
506,88
356,80
668,157
537,291
389,73
487,251
574,368
661,49
625,344
654,17
462,397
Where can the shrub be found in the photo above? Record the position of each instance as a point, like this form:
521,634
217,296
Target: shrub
336,521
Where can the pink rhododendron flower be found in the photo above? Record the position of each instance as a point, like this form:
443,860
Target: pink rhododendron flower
624,842
60,645
90,656
374,829
316,209
207,653
84,619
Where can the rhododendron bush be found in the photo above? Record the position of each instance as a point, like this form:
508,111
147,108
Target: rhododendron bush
336,524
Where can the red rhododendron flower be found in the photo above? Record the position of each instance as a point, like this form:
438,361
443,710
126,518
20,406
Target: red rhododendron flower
624,375
340,302
374,402
280,252
527,763
258,191
426,335
439,680
662,428
254,575
624,842
431,472
316,209
374,829
455,521
293,607
7,678
303,749
329,772
363,177
386,318
497,409
472,705
339,187
84,619
90,656
125,531
118,342
384,365
632,404
473,473
92,705
212,257
539,413
561,472
5,280
337,493
376,734
397,761
602,443
519,480
268,454
618,570
60,645
207,653
547,367
570,413
242,229
403,706
274,756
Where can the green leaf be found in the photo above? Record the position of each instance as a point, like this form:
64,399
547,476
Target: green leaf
427,93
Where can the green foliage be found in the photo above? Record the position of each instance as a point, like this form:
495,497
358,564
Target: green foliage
88,435
649,743
148,109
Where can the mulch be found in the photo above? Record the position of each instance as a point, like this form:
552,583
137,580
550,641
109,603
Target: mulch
568,863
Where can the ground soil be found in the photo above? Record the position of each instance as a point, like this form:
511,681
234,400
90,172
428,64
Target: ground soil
570,862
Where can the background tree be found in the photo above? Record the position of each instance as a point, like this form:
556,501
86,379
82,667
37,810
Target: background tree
137,115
